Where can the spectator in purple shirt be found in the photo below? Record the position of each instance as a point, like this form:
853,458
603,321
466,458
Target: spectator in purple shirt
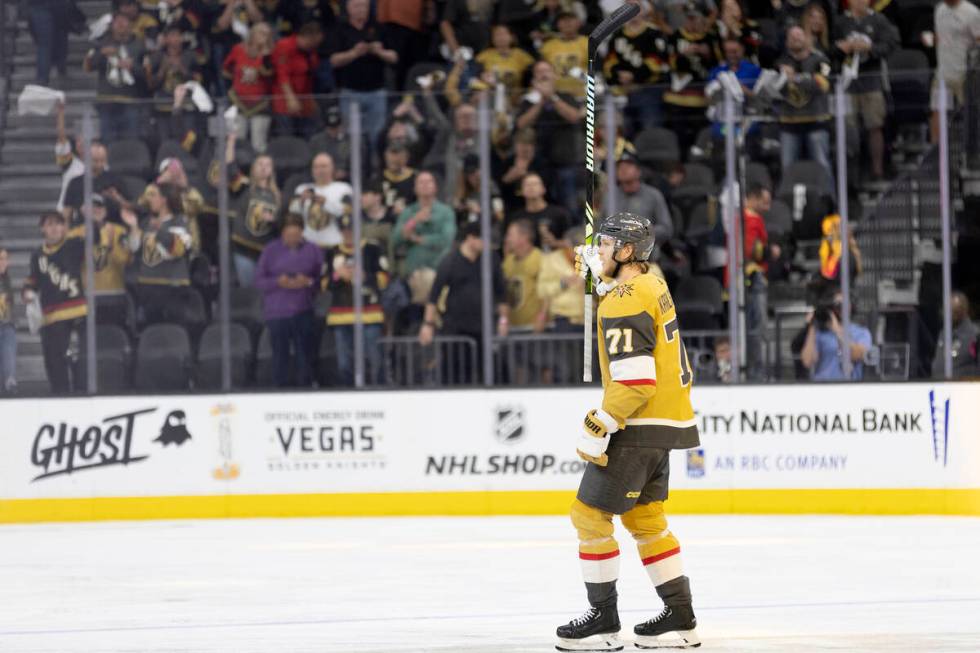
288,275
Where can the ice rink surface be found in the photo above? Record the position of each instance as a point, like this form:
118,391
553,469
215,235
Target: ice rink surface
477,585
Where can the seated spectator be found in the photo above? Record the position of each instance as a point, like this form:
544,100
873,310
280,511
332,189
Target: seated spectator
695,50
822,349
295,60
634,196
549,220
256,203
804,112
637,66
397,178
321,202
56,277
459,276
425,230
104,181
510,170
379,220
522,268
167,71
248,68
677,12
964,343
865,38
118,58
723,360
162,242
360,59
288,275
8,329
555,118
566,52
503,62
467,199
339,281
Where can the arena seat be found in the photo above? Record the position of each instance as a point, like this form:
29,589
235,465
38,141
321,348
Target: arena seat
207,372
163,358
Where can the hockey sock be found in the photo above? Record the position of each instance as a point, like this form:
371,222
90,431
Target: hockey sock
675,592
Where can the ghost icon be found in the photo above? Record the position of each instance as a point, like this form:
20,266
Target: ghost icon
174,429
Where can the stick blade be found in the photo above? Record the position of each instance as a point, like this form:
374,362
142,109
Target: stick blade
611,24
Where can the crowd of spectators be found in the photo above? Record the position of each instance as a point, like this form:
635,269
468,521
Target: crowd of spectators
417,70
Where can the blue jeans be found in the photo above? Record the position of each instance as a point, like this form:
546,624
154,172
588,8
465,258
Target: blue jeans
8,356
244,269
373,106
817,148
344,345
118,121
296,333
50,34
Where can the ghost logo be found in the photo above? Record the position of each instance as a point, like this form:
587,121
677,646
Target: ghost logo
510,423
174,429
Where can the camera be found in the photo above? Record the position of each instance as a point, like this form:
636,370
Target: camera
822,313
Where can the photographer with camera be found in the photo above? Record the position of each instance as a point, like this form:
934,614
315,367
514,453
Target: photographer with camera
822,353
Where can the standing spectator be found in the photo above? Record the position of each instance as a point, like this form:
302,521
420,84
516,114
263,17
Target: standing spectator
746,72
865,38
467,199
69,154
758,200
549,220
561,290
321,202
964,342
425,230
56,275
163,243
339,281
171,171
555,117
831,250
8,331
522,268
466,23
256,212
248,67
453,141
295,60
48,23
167,70
566,52
695,50
360,55
676,12
104,181
957,32
822,351
405,23
732,24
335,141
118,58
804,113
634,196
111,251
226,22
637,64
503,62
397,178
288,275
459,276
816,26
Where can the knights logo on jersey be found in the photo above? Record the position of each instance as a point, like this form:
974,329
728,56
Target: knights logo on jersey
695,463
259,217
4,307
509,424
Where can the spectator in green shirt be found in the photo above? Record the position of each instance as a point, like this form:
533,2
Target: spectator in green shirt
425,230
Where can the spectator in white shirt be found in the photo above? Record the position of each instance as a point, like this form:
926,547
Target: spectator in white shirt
957,32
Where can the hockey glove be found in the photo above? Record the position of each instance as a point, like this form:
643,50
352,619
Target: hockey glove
594,441
587,261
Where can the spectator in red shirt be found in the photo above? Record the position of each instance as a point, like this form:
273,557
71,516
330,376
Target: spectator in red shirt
249,69
758,200
295,61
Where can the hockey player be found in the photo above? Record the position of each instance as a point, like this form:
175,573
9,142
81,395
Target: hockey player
645,412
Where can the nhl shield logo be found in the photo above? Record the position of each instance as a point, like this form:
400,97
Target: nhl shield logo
509,423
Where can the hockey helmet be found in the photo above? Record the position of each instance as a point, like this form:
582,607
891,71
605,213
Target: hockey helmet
629,229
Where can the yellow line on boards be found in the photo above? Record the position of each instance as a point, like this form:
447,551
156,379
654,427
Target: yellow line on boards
783,502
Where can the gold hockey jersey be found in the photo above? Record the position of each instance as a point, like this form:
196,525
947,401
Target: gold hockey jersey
646,375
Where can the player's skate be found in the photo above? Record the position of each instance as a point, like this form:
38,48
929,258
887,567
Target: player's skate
674,627
596,630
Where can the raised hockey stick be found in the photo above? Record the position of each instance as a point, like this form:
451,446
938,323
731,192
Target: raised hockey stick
605,29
